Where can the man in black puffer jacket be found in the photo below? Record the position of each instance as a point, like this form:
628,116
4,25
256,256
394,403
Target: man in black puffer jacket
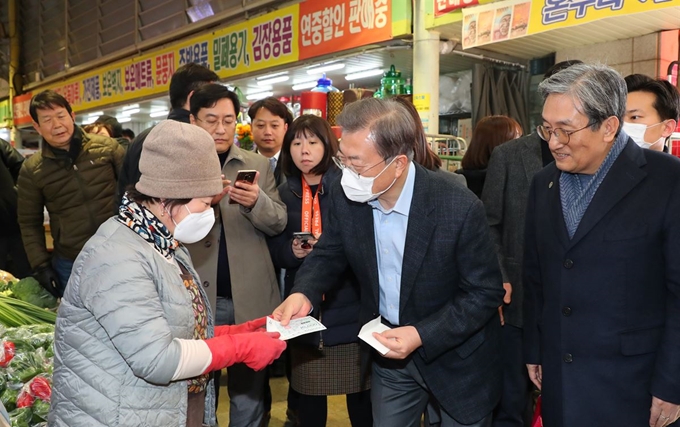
11,245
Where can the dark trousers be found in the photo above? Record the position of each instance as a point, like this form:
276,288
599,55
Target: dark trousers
313,410
513,408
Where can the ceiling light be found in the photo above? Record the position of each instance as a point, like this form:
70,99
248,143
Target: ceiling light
123,119
131,112
96,113
131,107
273,80
325,68
259,95
305,85
269,76
159,113
89,120
364,74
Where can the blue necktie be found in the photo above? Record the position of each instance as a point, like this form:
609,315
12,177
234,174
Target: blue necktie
272,163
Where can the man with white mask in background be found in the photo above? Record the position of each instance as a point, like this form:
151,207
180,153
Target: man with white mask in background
652,111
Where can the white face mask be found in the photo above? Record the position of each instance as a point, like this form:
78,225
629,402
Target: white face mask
637,132
194,226
359,188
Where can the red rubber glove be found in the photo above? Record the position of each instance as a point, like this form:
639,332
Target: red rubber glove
256,349
250,326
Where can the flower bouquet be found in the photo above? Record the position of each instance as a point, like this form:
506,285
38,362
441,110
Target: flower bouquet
244,135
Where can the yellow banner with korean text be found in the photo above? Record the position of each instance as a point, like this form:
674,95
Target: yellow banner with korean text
511,19
551,14
256,44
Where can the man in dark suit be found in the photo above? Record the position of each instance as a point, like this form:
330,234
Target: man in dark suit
270,120
511,168
419,244
602,288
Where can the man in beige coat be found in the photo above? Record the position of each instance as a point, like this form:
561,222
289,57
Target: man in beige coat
233,261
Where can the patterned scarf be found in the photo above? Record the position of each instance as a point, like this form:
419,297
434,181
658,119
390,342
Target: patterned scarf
140,220
578,190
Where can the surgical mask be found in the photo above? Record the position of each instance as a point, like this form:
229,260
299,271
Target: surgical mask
359,188
194,226
637,132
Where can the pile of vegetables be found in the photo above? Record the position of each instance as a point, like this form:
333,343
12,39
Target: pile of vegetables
26,356
25,302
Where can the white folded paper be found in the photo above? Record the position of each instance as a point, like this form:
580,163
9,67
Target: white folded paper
296,327
366,334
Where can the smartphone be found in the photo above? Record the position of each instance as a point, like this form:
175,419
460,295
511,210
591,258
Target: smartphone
303,236
244,176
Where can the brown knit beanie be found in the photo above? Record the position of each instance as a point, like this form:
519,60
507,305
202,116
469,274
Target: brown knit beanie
179,161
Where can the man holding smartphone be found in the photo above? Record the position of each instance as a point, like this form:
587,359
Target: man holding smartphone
233,260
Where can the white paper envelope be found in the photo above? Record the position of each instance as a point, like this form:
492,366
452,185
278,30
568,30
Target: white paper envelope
366,334
296,327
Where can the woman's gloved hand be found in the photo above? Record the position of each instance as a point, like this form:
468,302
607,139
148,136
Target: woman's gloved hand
256,349
250,326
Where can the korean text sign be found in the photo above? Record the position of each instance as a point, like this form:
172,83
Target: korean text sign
336,25
442,7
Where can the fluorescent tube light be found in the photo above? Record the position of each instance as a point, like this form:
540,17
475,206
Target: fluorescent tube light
131,107
160,113
259,95
273,80
131,112
269,76
96,113
123,119
305,85
364,74
325,68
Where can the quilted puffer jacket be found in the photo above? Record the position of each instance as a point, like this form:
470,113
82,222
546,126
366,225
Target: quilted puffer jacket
114,353
79,195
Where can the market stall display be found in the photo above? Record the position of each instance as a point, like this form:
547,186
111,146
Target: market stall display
26,365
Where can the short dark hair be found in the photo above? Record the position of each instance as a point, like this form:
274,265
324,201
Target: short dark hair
128,133
667,98
489,133
113,125
309,125
392,128
422,152
138,197
274,106
47,100
187,79
556,68
207,96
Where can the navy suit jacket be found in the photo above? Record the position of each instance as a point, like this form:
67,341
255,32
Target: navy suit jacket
450,291
602,309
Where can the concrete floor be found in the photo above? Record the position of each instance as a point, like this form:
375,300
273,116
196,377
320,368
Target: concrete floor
337,408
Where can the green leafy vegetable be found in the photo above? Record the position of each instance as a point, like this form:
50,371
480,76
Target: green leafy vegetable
29,290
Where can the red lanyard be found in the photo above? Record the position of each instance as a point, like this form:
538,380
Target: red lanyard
311,210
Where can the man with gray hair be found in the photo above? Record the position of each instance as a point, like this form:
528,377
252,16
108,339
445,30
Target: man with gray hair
419,244
602,293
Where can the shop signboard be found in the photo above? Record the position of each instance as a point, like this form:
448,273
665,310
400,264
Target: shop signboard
20,106
301,31
442,7
335,25
512,19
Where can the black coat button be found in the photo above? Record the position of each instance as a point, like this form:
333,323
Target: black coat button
566,311
207,244
206,283
568,358
568,263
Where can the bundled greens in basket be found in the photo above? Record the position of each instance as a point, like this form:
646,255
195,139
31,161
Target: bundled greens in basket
14,312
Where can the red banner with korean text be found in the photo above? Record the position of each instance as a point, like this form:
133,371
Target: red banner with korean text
442,7
328,26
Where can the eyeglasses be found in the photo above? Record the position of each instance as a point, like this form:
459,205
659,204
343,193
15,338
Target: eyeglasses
340,163
561,134
213,123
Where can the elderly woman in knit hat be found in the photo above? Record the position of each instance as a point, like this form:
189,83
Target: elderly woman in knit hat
135,342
